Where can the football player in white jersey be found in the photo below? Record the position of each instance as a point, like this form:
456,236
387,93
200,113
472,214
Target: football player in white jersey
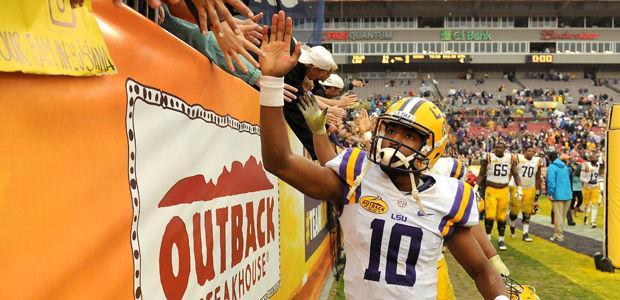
528,167
394,219
590,174
496,169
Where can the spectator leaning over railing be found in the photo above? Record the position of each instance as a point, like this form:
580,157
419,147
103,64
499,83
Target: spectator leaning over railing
315,63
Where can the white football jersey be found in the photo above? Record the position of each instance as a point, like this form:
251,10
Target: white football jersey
498,168
451,167
589,174
527,170
392,248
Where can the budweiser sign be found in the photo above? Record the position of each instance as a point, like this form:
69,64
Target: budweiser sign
205,213
556,35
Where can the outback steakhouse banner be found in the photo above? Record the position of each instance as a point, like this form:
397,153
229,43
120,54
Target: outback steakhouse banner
207,225
146,184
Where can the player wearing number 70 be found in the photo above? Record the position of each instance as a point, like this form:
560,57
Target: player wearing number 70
496,169
529,171
393,229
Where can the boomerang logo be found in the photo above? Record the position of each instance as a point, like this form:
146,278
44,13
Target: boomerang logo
421,214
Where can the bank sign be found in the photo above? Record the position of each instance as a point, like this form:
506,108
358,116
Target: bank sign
465,35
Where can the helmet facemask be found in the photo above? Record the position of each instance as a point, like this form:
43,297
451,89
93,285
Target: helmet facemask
392,157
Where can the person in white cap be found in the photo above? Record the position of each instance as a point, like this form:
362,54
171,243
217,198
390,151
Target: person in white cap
329,93
315,63
318,60
333,85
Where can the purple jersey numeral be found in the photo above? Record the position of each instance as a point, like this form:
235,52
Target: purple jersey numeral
396,234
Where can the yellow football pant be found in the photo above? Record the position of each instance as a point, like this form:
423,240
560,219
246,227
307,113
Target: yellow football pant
590,195
527,204
444,285
496,203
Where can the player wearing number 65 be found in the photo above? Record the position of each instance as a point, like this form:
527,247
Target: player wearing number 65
496,169
394,218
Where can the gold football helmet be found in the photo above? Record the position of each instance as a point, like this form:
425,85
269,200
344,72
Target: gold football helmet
518,291
422,116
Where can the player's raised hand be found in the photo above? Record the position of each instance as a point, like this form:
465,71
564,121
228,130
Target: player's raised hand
277,59
315,117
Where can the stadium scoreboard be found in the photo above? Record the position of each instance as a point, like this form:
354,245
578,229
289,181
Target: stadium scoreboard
539,59
409,59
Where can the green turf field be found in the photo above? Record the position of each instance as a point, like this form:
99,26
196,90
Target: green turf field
555,272
545,209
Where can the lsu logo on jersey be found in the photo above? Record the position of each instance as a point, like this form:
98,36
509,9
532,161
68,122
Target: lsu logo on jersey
374,204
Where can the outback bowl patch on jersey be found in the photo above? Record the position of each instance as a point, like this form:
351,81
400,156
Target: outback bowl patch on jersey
374,204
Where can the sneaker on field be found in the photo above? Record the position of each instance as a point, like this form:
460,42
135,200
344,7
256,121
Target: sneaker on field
501,245
527,238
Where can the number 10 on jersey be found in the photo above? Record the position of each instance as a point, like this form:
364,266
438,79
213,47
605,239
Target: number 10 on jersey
398,231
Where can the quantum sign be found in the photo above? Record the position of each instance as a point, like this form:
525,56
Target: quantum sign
356,36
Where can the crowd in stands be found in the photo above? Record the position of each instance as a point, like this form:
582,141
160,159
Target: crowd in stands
551,76
473,130
576,129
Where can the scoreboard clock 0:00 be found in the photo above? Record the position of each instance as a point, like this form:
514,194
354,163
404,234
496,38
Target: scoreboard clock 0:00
539,59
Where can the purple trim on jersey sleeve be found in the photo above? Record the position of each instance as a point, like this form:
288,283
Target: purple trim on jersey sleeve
342,172
455,206
455,164
356,172
462,171
466,215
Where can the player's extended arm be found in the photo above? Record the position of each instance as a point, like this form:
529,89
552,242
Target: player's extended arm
482,173
538,178
515,173
489,250
583,168
467,252
483,241
300,172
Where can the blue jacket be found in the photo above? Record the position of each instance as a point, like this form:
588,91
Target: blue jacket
559,181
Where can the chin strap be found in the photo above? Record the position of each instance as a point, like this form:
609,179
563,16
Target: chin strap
358,180
415,194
